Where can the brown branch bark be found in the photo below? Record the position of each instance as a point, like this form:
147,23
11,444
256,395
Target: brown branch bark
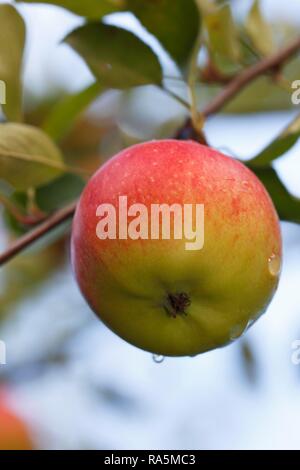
235,86
52,222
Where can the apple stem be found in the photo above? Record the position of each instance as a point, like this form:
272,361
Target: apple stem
177,304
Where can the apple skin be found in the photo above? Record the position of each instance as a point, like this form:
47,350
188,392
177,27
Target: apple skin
14,434
229,283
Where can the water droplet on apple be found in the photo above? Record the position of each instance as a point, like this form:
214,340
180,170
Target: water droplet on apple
274,265
158,359
238,330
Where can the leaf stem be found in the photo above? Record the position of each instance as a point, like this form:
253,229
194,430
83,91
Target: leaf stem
19,215
178,98
197,118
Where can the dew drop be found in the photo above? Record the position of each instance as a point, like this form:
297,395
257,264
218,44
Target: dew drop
250,323
158,359
274,265
238,330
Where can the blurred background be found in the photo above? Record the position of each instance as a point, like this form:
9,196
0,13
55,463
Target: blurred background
75,383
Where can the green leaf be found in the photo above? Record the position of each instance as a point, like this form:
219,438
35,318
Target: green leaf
59,193
284,142
12,42
175,24
19,200
222,33
259,31
28,157
91,9
116,57
66,111
288,206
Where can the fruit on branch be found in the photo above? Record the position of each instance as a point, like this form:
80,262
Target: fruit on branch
14,434
172,296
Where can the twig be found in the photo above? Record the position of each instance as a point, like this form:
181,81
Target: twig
23,218
250,74
264,66
238,83
210,74
23,242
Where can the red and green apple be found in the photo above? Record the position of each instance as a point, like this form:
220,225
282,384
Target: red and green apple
156,293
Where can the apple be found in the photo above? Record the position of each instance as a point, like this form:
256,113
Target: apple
165,295
14,434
